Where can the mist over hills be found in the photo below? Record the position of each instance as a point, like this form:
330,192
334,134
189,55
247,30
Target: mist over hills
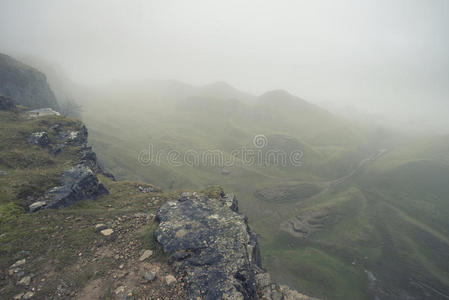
327,120
361,213
323,225
26,85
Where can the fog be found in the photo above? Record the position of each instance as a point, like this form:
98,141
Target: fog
376,56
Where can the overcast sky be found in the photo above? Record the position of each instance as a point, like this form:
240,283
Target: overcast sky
369,52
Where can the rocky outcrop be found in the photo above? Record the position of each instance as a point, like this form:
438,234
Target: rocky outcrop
78,183
89,158
26,85
64,138
214,250
76,137
42,112
39,138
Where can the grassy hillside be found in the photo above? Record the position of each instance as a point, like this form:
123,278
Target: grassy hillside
356,220
58,253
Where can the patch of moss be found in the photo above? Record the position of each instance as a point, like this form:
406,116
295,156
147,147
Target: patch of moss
9,212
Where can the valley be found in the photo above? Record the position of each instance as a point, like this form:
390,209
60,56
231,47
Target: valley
224,150
322,225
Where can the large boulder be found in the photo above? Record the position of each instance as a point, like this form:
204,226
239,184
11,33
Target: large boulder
212,246
37,205
78,183
213,249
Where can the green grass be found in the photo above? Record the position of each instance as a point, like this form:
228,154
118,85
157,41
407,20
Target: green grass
390,218
31,170
288,193
52,240
315,271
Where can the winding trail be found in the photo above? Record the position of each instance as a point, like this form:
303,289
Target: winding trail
289,213
333,183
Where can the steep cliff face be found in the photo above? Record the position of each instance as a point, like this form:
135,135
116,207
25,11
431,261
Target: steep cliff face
25,85
214,251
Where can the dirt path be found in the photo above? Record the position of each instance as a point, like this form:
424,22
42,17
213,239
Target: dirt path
292,210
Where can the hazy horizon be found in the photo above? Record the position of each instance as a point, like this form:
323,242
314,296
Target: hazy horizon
389,57
224,149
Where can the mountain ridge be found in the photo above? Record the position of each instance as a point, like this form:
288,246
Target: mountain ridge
25,84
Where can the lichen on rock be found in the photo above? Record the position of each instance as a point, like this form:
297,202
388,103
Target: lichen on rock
213,249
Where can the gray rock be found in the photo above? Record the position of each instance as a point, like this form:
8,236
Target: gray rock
263,279
39,138
89,158
120,290
25,281
100,227
107,232
56,149
76,137
78,183
214,250
145,255
18,263
3,173
145,189
231,201
56,127
149,276
37,205
185,196
170,279
86,156
212,245
28,295
42,112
